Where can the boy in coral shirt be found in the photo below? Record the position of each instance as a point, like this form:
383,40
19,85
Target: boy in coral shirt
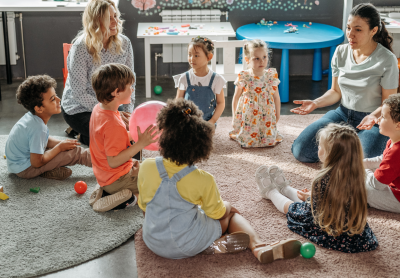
111,151
383,172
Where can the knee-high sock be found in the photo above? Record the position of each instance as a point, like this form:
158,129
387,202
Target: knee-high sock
278,199
291,193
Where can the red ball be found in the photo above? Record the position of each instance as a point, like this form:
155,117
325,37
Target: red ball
80,187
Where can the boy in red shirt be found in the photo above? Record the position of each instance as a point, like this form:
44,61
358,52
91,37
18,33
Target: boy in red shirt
110,148
383,172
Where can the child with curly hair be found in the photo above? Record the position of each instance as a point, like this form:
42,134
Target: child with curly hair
30,151
383,172
256,104
172,190
334,213
200,84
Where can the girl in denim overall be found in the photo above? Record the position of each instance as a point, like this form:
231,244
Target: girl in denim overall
200,84
172,189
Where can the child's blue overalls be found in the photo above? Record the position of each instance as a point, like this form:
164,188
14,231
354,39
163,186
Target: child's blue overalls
202,96
173,227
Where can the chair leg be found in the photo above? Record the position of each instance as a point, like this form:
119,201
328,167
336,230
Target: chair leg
226,90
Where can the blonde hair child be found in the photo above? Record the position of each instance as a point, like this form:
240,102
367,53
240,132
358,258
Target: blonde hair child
256,104
337,210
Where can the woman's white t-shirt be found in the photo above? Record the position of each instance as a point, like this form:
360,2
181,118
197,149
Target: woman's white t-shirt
361,84
218,84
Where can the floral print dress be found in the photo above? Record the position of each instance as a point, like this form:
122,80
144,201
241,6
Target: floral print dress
254,123
301,221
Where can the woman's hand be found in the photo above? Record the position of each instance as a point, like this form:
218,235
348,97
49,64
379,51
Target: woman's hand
125,117
303,194
307,106
368,122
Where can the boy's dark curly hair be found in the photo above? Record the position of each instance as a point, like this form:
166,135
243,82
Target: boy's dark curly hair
30,92
186,137
393,102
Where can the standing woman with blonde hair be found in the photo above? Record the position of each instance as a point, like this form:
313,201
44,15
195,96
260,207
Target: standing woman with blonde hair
100,42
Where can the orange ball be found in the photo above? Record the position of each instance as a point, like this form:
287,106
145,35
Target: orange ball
80,187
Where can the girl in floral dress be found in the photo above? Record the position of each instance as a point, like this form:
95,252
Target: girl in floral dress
256,104
334,214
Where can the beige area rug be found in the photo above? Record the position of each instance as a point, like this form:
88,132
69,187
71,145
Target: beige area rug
233,169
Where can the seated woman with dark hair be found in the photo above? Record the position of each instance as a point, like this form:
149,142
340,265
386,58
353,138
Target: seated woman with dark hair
365,73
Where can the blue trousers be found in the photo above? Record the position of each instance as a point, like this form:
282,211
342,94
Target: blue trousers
305,147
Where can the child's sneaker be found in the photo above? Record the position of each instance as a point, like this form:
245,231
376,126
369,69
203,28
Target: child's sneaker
109,202
60,173
265,185
278,178
130,203
96,195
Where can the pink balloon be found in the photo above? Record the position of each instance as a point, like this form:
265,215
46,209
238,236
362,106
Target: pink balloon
143,116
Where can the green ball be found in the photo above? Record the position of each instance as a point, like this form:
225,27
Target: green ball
307,250
157,90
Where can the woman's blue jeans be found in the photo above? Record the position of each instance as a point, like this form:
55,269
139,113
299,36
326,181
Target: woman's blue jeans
305,147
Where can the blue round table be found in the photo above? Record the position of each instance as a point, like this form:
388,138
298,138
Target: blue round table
316,37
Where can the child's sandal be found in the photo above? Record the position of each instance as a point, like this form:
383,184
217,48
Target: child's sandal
284,249
230,243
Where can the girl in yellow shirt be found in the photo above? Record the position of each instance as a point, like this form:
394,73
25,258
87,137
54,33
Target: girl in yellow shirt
184,212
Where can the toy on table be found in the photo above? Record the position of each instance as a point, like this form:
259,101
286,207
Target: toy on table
310,23
1,189
265,23
4,157
307,250
80,187
291,30
3,196
143,116
35,189
185,25
290,25
305,26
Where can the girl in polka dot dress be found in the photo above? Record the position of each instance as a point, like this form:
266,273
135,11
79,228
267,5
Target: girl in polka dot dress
334,213
256,104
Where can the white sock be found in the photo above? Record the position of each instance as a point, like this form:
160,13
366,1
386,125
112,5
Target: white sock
291,193
278,199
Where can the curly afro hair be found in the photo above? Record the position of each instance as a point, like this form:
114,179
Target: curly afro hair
393,102
186,137
30,92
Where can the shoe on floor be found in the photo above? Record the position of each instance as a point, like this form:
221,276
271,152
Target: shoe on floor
130,203
284,249
230,243
264,182
96,195
109,202
70,132
278,178
60,173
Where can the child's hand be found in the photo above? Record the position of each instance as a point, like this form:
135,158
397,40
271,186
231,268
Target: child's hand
135,167
234,210
125,117
68,144
303,194
148,136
